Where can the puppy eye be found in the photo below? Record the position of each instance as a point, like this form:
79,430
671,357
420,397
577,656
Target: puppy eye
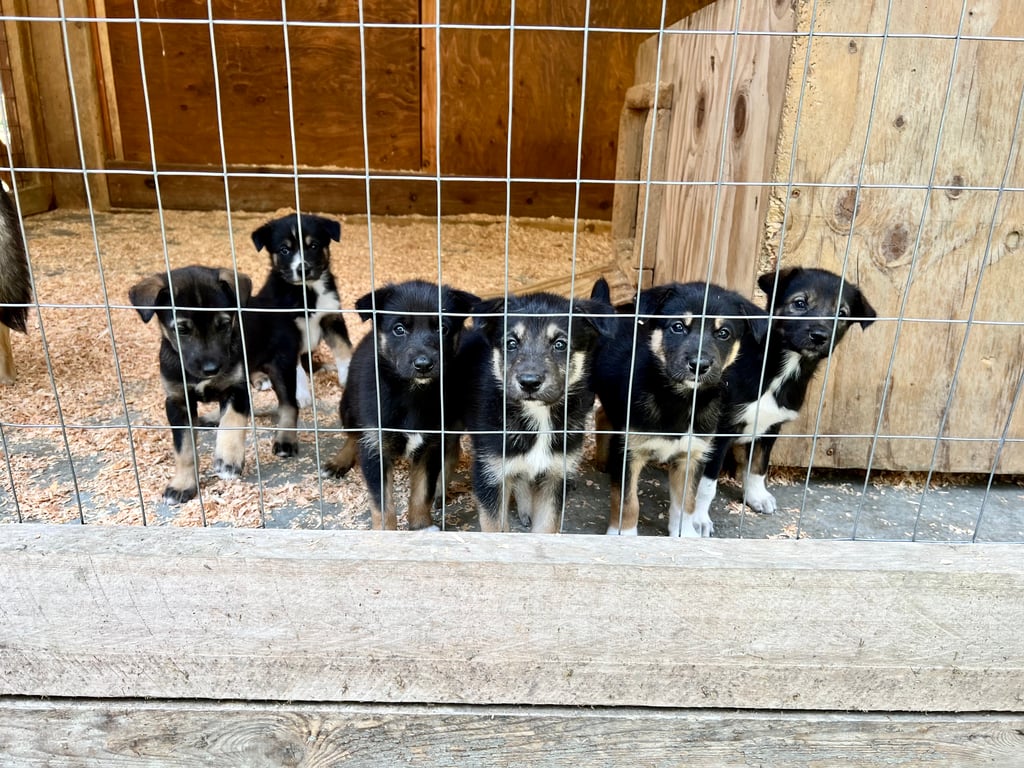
800,304
678,327
313,245
184,328
284,250
399,330
723,334
511,343
445,329
843,312
222,323
560,345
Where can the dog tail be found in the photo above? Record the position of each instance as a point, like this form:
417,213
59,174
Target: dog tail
15,284
601,291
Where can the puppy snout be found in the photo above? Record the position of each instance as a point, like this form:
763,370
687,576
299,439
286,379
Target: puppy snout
530,382
209,367
423,364
818,336
700,365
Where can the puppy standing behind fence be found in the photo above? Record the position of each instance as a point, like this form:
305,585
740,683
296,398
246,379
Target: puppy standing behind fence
661,397
526,367
301,280
15,284
392,406
200,361
811,311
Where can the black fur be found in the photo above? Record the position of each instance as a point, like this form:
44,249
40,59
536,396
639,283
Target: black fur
301,280
200,361
807,305
671,386
15,283
527,370
403,360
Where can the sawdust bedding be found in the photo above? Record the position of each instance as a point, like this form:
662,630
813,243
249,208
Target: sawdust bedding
83,429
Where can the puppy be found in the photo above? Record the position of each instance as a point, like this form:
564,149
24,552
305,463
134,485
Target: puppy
392,406
527,364
200,360
300,279
662,396
15,284
811,309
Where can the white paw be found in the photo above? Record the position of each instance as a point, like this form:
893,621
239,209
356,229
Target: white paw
342,366
613,530
226,470
702,524
429,529
695,526
757,496
261,383
302,394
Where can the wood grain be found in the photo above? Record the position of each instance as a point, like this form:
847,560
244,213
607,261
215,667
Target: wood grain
350,616
840,139
172,734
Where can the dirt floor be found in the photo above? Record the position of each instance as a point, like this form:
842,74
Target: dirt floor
85,436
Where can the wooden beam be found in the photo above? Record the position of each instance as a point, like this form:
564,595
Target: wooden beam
349,616
97,734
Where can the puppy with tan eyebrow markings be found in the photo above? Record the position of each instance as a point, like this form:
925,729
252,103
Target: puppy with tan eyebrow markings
662,396
812,309
526,367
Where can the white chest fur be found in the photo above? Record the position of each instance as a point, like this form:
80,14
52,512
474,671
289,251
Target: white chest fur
309,325
759,416
540,459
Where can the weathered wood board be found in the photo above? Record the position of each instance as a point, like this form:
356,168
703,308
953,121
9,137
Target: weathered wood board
927,245
723,127
185,734
474,619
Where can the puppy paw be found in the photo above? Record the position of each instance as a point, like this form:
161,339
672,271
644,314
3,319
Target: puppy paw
261,383
695,526
303,396
429,528
702,524
613,530
342,372
758,497
285,449
335,469
226,470
174,495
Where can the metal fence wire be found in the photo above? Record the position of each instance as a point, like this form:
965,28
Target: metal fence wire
891,139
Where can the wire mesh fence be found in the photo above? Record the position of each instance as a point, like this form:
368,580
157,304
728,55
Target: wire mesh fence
889,155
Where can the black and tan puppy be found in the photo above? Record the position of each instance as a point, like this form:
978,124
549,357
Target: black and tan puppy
392,406
526,366
661,398
200,361
812,309
15,284
301,280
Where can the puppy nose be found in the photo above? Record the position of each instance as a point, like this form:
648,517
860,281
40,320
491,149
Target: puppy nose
423,364
210,367
530,382
819,336
700,366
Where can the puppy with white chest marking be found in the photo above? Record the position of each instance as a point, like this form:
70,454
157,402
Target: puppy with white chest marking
812,309
661,397
392,406
301,280
200,361
527,366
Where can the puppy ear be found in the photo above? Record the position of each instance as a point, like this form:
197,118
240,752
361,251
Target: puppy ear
601,291
148,294
597,314
766,282
650,301
227,277
459,302
859,307
261,237
332,227
488,316
757,320
365,304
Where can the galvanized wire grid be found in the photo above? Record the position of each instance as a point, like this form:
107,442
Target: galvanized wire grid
815,496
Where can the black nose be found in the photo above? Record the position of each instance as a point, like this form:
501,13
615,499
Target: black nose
210,368
530,382
700,366
423,364
819,337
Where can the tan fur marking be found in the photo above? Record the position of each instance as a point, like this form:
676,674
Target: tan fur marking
734,353
602,438
419,502
185,465
345,457
657,345
230,447
390,518
683,477
7,372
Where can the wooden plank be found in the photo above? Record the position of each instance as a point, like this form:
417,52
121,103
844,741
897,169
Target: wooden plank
939,280
348,616
391,197
650,197
700,66
176,735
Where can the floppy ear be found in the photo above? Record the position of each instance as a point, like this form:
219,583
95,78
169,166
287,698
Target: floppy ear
766,282
227,277
859,307
601,291
459,302
261,237
597,314
332,227
494,321
365,304
650,301
757,320
148,294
